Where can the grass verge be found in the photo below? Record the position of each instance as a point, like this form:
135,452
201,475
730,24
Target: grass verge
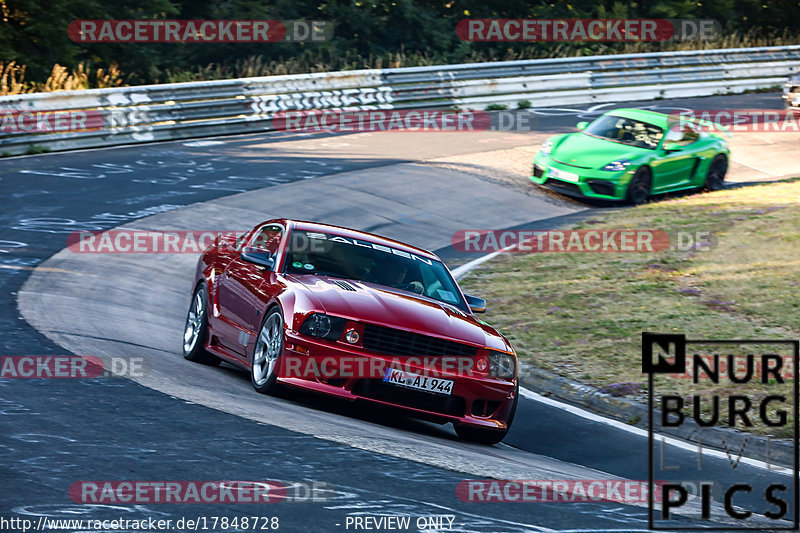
581,315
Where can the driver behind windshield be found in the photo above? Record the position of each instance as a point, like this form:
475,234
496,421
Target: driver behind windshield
393,273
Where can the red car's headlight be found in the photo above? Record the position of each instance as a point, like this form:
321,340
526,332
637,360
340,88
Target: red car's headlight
323,326
502,365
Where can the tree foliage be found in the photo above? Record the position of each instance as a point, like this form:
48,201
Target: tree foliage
367,32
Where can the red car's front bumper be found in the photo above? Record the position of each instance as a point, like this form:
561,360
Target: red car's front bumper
476,400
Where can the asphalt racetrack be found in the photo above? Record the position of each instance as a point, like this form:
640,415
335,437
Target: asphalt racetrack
183,421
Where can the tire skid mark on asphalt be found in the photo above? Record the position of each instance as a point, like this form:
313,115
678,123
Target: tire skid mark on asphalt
73,510
43,269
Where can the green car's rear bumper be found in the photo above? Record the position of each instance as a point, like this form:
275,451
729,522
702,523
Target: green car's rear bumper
575,181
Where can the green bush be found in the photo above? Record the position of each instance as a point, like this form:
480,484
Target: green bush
37,149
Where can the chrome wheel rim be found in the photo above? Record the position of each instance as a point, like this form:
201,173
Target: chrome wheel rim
268,348
194,321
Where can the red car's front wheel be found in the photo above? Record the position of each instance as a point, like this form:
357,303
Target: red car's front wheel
269,346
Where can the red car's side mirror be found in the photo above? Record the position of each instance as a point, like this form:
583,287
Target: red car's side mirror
258,257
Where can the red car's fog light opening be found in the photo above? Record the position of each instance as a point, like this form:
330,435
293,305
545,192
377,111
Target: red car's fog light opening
484,408
352,336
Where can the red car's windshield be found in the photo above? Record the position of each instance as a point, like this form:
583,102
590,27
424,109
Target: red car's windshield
326,254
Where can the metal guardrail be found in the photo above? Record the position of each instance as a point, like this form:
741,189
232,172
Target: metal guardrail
246,105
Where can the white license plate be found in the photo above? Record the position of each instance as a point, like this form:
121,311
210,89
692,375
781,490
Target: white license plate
560,174
415,381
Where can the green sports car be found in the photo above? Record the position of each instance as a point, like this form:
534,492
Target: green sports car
629,154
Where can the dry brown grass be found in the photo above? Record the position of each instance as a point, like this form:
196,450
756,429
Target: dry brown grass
12,79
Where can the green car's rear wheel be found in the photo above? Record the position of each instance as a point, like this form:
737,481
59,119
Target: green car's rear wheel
639,187
715,179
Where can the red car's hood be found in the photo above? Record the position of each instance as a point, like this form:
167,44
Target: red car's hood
397,309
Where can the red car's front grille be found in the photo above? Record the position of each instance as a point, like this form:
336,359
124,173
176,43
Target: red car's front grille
426,401
392,341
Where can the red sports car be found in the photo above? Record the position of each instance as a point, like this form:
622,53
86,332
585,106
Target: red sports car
352,315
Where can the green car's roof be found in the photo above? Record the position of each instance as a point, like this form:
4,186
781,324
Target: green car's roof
657,119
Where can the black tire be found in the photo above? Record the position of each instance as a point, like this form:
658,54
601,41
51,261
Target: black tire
195,333
639,187
715,177
488,436
267,353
